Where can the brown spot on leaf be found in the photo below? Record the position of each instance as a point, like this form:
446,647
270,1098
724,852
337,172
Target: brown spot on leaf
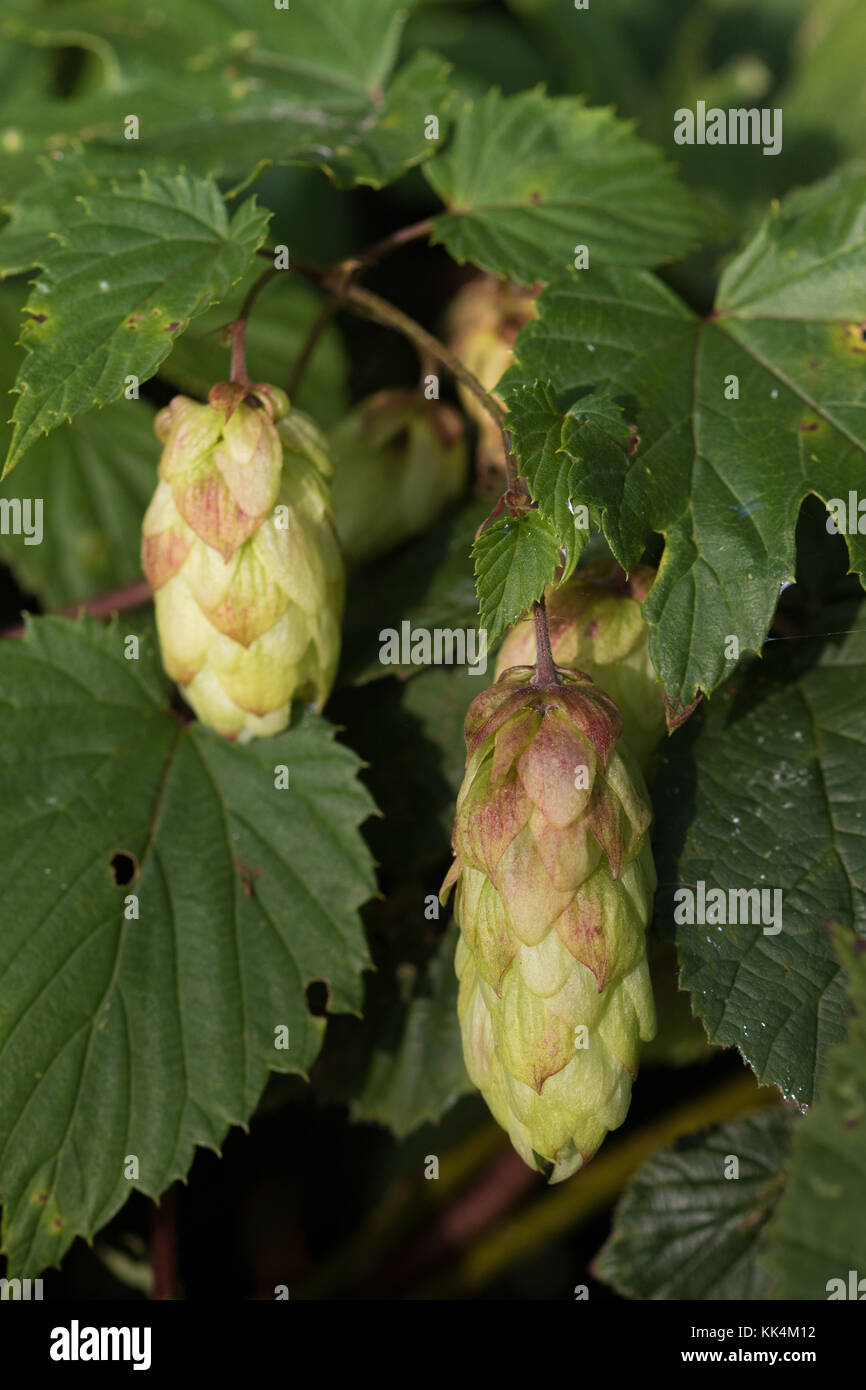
38,318
536,196
247,876
806,426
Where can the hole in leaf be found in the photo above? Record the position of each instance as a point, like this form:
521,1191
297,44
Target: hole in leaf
318,993
124,868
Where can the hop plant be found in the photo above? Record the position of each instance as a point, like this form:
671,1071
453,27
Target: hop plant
554,887
238,544
399,459
484,320
596,626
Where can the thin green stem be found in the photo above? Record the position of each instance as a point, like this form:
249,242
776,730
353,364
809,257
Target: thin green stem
337,281
372,306
320,323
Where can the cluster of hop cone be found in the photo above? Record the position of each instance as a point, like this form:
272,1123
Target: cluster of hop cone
245,545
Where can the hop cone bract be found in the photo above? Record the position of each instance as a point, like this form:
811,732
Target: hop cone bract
596,626
555,882
398,460
238,544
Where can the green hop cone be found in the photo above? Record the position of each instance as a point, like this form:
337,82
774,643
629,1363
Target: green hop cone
399,459
555,883
596,626
484,320
238,544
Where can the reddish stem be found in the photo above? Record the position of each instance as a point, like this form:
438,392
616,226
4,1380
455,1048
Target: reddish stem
134,595
239,353
393,240
163,1247
545,670
239,327
499,1188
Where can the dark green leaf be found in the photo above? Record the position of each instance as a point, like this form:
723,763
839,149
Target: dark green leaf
687,1229
819,1233
761,792
559,455
529,178
419,1074
220,90
93,480
150,1034
129,269
515,558
722,479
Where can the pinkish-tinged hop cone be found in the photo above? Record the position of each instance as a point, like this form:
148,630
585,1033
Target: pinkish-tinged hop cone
239,547
596,627
554,886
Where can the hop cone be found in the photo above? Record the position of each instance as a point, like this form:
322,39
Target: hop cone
555,882
239,547
398,460
484,319
596,626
